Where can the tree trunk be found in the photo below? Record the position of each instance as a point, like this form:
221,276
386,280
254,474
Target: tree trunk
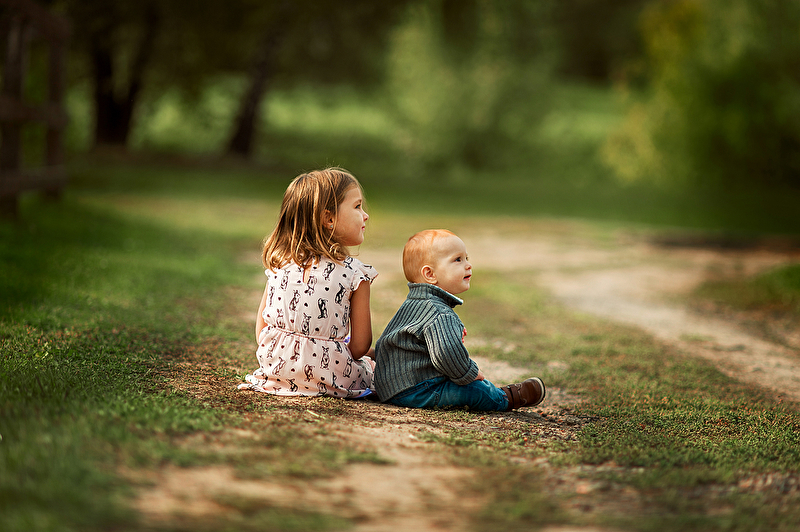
112,117
114,110
241,142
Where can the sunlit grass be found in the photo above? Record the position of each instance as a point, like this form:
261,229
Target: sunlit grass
332,112
233,218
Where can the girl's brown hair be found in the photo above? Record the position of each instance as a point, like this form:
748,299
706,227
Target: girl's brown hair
300,235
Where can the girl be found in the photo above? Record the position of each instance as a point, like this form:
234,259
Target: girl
315,293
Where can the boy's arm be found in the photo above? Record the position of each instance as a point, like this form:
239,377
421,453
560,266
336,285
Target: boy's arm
444,339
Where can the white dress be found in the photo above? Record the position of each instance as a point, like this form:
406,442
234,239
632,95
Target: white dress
303,348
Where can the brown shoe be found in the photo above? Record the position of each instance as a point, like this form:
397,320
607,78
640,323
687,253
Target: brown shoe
529,392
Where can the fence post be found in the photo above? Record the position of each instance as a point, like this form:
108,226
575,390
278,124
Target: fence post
16,47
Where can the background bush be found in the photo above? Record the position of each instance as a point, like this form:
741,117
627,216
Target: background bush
723,105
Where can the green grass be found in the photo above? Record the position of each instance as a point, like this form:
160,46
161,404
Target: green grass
777,290
90,306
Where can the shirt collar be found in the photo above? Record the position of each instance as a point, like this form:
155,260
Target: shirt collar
426,291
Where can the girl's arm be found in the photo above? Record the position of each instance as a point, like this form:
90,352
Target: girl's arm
260,323
360,322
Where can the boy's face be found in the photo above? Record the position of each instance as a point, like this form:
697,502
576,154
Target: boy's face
451,269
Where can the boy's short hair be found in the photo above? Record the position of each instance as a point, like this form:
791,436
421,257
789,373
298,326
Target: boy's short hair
418,252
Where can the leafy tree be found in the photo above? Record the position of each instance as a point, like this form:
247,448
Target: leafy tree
128,47
724,101
312,41
133,48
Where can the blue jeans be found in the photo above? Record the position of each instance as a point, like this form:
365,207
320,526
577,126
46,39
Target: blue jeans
442,392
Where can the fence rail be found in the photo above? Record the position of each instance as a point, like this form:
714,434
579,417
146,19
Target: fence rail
21,21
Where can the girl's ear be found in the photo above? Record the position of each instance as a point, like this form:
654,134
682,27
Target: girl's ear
428,275
327,219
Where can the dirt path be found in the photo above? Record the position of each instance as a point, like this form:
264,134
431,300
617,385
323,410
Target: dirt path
645,285
415,490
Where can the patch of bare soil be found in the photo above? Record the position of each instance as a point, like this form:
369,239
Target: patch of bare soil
415,488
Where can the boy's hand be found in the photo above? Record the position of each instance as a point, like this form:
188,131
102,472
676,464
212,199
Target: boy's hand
480,376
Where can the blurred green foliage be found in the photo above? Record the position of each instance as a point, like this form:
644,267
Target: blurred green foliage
459,103
724,101
552,171
444,92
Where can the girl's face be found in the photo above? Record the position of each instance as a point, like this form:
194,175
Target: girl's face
349,223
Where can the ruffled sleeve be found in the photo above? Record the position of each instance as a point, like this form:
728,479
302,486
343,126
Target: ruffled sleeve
363,272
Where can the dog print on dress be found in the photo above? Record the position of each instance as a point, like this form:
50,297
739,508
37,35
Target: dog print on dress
340,294
302,350
296,355
312,282
326,272
326,358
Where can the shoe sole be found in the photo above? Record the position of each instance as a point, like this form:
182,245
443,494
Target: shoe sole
544,391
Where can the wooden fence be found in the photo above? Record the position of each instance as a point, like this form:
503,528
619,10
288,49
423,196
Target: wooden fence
21,21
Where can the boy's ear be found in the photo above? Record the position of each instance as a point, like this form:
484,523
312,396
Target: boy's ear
428,275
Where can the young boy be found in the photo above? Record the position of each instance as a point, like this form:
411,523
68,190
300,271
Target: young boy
421,358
